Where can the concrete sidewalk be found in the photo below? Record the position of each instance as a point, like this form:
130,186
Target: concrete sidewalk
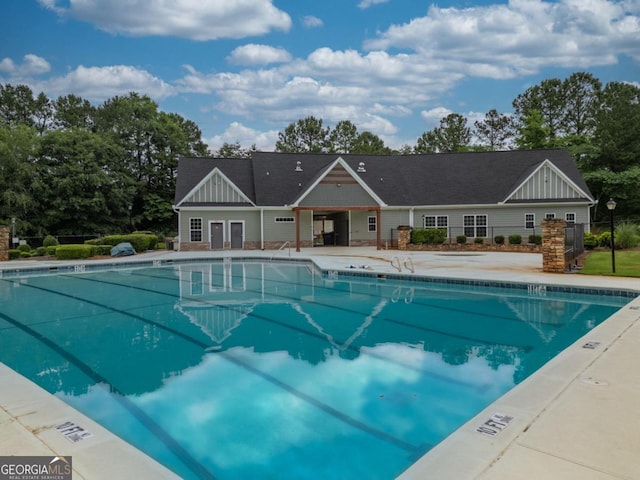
574,419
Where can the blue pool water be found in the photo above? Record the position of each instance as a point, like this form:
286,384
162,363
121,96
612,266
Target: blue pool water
244,369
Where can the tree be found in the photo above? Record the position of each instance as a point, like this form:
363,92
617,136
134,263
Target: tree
533,132
617,134
452,135
149,144
344,137
234,150
403,150
547,99
82,194
307,135
426,143
16,105
581,94
368,143
495,131
623,186
18,181
72,111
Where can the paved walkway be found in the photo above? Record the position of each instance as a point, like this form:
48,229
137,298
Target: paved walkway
575,419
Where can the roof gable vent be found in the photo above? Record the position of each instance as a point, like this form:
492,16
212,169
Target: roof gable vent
361,167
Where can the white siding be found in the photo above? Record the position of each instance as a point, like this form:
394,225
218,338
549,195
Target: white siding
546,184
216,190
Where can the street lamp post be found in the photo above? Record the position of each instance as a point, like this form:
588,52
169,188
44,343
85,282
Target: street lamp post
13,232
611,205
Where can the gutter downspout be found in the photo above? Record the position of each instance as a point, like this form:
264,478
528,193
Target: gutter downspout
177,210
262,229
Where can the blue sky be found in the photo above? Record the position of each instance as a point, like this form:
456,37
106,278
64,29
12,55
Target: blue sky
244,69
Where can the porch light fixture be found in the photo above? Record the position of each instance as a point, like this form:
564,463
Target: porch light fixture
361,167
298,166
611,205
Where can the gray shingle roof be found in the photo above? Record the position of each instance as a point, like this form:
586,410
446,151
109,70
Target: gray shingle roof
271,179
191,171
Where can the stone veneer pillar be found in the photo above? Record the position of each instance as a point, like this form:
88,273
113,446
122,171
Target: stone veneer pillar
553,260
4,243
404,236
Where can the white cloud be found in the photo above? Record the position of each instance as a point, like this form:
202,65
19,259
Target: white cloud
101,83
433,116
367,3
245,136
310,21
520,37
194,19
31,65
253,54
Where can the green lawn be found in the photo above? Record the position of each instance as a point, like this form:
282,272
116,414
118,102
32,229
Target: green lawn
599,263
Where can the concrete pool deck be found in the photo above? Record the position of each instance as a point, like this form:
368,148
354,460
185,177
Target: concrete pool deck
576,418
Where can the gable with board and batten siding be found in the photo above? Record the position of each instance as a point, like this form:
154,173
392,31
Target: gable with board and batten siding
216,188
547,182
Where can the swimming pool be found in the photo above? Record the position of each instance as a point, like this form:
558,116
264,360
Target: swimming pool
271,370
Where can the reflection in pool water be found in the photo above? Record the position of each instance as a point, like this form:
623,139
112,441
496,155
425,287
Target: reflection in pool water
255,370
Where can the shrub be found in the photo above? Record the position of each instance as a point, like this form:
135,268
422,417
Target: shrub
50,241
499,239
537,239
604,239
626,235
51,251
419,235
515,239
428,235
41,251
590,240
461,239
103,249
73,252
25,254
478,240
14,254
436,235
141,242
24,248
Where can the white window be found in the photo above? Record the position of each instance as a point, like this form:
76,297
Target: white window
372,224
285,220
529,220
195,229
549,215
570,217
475,225
436,221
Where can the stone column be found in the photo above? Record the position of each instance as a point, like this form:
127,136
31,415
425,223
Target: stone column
5,234
404,236
553,247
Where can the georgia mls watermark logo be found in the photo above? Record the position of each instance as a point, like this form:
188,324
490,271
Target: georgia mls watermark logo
35,468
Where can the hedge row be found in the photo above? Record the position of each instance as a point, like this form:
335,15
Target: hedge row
141,242
73,252
434,236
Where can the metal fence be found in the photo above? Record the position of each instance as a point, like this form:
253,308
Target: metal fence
573,243
35,242
487,233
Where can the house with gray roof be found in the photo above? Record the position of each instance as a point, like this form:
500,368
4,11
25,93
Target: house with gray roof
360,200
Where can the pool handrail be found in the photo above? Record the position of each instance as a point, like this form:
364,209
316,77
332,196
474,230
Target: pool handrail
287,243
